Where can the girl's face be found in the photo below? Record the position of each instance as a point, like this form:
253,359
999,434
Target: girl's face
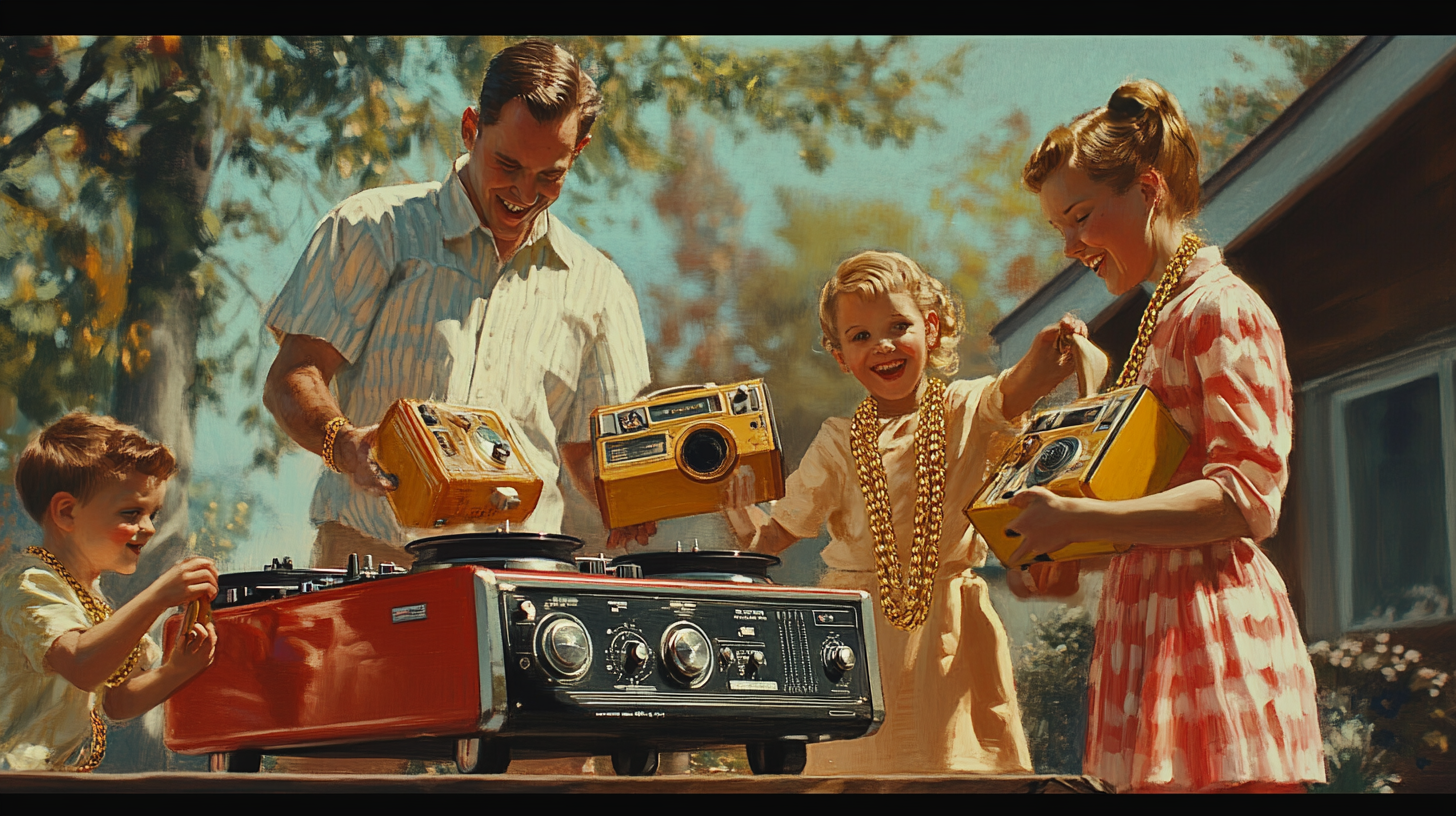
885,342
1110,232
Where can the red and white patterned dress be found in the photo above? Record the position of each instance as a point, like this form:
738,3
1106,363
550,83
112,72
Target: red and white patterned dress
1200,679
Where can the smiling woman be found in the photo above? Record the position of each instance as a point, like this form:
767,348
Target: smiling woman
1199,678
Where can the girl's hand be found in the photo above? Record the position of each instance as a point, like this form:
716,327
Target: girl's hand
1044,579
1046,363
1047,523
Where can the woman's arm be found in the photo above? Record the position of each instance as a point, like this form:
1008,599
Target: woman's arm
1194,513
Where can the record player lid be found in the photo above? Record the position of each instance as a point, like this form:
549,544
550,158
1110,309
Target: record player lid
733,566
549,552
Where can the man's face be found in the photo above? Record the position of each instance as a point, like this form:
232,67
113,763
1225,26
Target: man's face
517,167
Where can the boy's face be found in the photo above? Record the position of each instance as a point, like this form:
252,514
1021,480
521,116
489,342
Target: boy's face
111,528
885,342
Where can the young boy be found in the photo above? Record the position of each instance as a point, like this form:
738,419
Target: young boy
95,486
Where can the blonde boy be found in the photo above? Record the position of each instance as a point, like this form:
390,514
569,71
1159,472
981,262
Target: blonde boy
95,487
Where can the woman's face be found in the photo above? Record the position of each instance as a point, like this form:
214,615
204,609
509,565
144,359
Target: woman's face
1110,232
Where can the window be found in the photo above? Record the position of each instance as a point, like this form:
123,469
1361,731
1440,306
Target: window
1389,486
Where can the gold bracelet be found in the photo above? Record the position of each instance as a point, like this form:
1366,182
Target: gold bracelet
331,432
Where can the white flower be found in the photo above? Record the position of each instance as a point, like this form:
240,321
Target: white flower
1383,637
1346,663
1369,662
1413,656
1388,672
1381,648
1426,673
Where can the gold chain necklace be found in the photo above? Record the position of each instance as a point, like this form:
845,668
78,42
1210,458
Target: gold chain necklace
98,611
1172,276
905,595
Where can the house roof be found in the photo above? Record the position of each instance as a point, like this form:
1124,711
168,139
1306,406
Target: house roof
1346,109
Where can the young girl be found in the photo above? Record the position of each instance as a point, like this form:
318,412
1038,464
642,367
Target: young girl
1200,680
891,484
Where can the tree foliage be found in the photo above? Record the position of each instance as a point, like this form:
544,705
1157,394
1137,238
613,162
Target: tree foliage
1234,114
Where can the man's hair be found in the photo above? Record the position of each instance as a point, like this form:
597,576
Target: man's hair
547,78
78,453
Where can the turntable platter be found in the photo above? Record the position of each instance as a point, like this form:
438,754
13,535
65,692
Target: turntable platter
537,552
731,566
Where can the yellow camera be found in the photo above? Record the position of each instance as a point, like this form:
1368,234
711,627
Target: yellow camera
1119,445
455,465
665,456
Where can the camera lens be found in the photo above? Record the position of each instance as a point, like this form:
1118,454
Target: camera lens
704,451
1054,457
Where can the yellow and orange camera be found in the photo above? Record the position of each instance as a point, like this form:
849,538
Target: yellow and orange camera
665,456
1119,445
455,464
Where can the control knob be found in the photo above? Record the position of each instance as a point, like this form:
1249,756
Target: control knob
688,654
565,647
839,659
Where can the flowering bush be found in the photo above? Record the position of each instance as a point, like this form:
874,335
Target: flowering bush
1051,685
1378,707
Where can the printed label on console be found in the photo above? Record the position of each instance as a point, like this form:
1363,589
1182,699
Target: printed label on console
749,614
414,612
753,685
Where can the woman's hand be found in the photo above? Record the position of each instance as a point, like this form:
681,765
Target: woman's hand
1045,579
1047,523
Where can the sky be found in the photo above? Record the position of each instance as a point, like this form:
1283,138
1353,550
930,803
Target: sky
1050,79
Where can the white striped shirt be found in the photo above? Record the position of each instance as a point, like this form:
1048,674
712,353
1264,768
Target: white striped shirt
405,282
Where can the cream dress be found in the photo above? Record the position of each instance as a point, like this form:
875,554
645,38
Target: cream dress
950,704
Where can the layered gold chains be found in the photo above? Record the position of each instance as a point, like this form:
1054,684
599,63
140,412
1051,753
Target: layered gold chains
1172,276
905,594
98,611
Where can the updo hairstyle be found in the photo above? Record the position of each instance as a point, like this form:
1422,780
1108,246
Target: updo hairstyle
871,274
1141,128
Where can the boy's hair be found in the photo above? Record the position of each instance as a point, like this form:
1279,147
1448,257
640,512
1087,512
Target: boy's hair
873,273
77,453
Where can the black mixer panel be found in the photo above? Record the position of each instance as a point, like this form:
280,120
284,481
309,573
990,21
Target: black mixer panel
668,662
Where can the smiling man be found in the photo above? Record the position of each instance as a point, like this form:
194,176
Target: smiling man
466,291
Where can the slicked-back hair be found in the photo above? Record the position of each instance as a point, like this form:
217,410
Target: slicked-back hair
77,453
547,78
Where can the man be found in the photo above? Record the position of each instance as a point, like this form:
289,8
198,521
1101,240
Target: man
465,291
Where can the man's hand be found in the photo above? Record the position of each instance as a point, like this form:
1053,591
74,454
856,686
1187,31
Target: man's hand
623,536
352,449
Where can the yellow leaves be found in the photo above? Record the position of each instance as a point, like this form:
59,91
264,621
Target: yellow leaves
211,226
134,352
1437,740
272,50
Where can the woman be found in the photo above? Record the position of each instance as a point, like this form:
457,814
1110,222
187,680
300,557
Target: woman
1200,680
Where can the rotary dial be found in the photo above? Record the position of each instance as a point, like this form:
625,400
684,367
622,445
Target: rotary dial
564,647
687,654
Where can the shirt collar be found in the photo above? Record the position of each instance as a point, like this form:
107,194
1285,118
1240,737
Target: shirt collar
457,214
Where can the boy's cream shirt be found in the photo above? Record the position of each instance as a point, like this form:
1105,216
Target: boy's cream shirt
44,720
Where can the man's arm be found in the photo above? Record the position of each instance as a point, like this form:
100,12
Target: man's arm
297,394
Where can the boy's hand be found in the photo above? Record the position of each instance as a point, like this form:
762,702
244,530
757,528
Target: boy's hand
190,578
194,650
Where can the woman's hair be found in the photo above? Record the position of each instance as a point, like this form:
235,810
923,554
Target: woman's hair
872,273
1140,128
77,453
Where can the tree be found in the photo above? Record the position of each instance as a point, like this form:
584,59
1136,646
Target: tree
1234,114
110,150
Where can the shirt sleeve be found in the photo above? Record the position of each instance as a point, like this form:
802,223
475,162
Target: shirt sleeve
1248,414
615,366
41,610
813,491
334,291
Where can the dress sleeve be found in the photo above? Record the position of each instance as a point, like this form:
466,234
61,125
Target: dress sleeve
1248,414
41,610
334,291
815,490
614,367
